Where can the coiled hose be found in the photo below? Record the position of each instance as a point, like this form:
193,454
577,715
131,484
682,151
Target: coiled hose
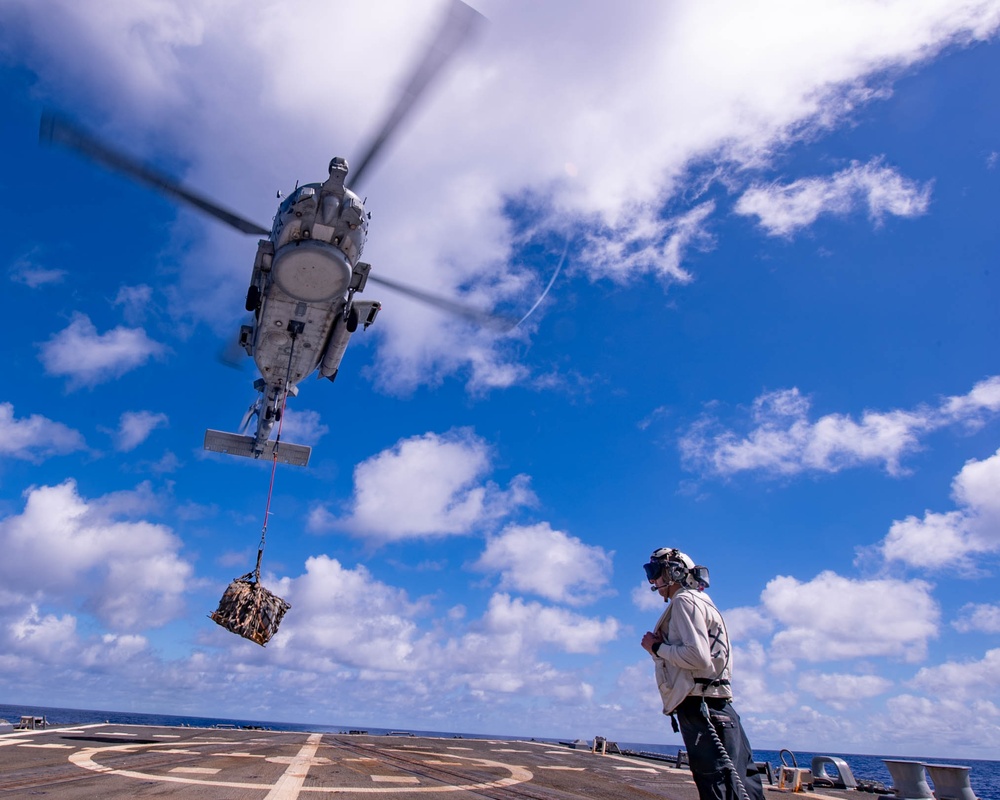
727,762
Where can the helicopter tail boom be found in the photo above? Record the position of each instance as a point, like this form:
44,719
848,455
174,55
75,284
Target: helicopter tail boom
236,445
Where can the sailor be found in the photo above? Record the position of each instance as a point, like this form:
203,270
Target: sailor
690,648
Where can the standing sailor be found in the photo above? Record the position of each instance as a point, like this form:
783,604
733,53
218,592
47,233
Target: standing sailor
690,648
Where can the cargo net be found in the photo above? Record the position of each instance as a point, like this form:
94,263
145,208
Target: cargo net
249,610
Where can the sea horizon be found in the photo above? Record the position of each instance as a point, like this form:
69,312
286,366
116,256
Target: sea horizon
984,774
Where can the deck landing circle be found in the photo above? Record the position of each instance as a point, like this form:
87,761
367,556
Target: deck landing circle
289,785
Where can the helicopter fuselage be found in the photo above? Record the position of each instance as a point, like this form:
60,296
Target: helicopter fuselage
302,289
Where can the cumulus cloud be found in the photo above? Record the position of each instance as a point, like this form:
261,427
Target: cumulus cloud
303,427
134,427
612,151
128,573
134,301
429,485
952,537
551,564
782,440
981,617
841,690
962,680
831,618
36,437
348,619
569,632
784,209
86,357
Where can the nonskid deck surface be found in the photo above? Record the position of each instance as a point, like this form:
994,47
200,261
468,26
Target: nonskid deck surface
116,761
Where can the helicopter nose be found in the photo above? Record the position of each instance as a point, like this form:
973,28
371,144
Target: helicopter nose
311,272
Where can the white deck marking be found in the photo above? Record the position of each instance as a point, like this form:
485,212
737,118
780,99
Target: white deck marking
120,733
565,769
637,769
289,785
50,746
458,748
395,779
361,758
5,742
507,750
166,736
196,770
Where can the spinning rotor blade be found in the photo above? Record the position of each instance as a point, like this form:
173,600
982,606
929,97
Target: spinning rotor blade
56,130
480,317
458,24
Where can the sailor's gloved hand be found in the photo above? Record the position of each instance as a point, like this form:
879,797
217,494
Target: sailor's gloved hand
650,640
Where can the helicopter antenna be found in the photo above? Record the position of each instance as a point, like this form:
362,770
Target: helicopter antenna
552,280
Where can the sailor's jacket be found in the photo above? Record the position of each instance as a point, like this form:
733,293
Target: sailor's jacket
694,658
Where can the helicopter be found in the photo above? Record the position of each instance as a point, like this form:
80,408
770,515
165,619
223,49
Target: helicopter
307,271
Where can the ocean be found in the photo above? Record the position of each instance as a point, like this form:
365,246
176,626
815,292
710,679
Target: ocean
984,775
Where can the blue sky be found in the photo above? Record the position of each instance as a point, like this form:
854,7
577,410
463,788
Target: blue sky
773,345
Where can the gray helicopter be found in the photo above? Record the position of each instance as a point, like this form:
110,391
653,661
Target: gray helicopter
308,269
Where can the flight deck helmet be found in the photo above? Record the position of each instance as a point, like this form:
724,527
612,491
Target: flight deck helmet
677,567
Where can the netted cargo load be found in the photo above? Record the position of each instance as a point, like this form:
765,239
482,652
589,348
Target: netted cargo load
249,610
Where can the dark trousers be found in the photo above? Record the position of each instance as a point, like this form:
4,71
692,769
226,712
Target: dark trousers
713,779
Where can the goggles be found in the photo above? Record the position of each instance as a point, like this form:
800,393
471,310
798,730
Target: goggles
654,569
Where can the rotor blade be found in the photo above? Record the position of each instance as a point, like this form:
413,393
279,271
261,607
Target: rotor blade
457,25
56,130
480,317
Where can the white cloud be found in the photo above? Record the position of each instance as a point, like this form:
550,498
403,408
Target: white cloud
129,574
782,210
611,150
87,358
346,619
302,427
34,276
551,564
831,618
134,301
134,427
965,680
841,690
36,437
981,617
644,599
430,485
42,637
571,633
783,441
950,538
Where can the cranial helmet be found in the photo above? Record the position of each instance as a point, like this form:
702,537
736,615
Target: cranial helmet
678,568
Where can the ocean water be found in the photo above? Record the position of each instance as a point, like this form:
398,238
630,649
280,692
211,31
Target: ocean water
984,775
